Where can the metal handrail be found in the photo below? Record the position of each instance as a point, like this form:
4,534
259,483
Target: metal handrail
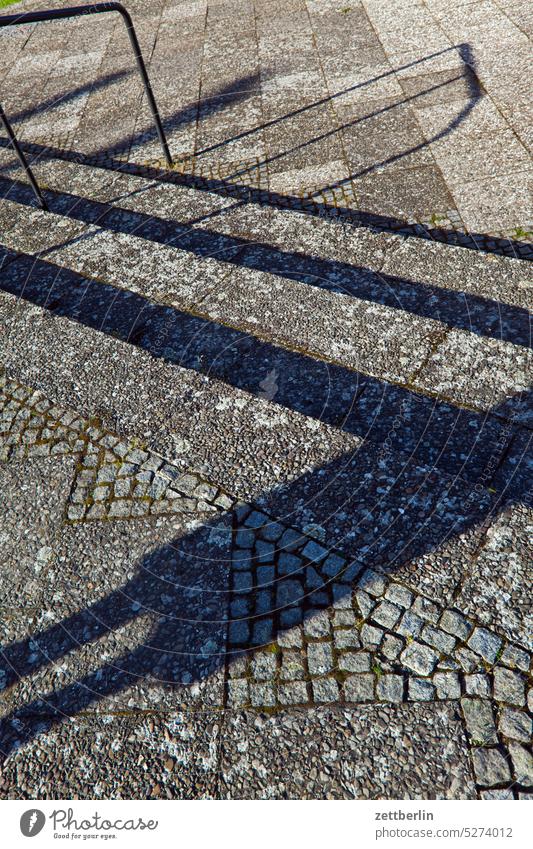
74,12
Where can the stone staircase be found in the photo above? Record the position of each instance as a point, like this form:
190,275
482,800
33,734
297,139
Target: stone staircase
347,412
361,326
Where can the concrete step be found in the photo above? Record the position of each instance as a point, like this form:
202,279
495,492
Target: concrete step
332,269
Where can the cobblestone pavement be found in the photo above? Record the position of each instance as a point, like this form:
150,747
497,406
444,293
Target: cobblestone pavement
417,119
307,627
266,476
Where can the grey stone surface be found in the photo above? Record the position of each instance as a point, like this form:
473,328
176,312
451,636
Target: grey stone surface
455,370
410,625
386,614
91,758
447,684
292,755
238,693
317,624
390,688
371,637
426,609
290,128
455,624
292,665
325,690
319,658
509,687
264,666
34,496
293,694
420,658
497,794
354,661
496,591
438,639
391,647
359,688
145,406
348,638
514,656
128,614
315,552
421,690
371,582
365,602
262,695
469,661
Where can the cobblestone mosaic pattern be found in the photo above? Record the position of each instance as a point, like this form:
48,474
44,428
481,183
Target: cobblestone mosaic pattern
307,630
114,479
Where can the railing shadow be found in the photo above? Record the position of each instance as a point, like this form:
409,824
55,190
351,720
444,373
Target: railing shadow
183,588
475,313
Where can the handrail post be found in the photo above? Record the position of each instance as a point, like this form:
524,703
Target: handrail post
73,12
22,159
149,93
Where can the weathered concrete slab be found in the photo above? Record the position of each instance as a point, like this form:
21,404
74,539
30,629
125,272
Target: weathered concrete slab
405,136
175,757
346,754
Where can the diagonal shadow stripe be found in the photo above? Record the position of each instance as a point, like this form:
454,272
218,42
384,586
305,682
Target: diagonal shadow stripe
342,397
467,311
199,592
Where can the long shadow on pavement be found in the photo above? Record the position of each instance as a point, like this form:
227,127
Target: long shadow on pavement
183,587
471,312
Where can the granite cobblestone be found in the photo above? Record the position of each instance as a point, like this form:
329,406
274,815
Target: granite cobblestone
383,643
